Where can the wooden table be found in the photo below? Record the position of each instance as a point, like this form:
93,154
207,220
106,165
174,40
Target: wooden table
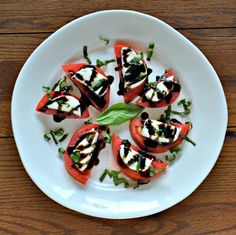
24,209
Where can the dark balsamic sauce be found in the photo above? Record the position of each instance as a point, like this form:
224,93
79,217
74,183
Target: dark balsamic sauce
144,116
140,157
57,118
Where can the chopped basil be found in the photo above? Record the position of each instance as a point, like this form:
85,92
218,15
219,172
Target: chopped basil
75,156
138,167
63,138
142,75
118,114
150,84
61,151
190,123
153,171
53,137
176,150
137,58
115,176
90,137
105,40
46,89
85,52
170,158
186,105
150,50
55,133
58,132
188,139
107,137
101,63
139,183
166,117
46,137
97,83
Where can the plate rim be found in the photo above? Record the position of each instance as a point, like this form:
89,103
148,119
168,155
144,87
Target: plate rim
106,214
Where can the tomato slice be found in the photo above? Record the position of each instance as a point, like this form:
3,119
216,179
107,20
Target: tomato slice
129,94
133,174
41,107
100,103
136,128
169,99
83,176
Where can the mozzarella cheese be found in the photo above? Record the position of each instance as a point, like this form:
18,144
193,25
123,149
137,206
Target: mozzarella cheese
133,156
155,134
72,104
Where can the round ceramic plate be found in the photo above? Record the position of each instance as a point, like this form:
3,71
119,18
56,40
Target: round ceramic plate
200,84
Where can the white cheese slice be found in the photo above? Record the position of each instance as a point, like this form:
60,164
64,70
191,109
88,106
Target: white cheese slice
69,105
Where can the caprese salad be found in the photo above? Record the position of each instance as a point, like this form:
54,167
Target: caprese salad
152,136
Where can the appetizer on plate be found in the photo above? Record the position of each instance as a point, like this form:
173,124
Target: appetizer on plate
82,152
92,82
157,137
133,72
62,105
135,163
161,93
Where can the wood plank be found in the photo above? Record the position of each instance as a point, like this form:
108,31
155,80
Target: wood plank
201,213
40,16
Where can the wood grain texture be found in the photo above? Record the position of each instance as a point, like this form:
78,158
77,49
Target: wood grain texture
24,209
40,16
210,209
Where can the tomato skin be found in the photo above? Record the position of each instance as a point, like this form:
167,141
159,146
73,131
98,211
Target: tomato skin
83,89
54,94
130,94
134,175
145,103
135,129
83,176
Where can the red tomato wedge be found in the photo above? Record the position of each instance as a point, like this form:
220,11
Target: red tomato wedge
157,165
100,103
167,100
48,98
136,126
129,93
83,176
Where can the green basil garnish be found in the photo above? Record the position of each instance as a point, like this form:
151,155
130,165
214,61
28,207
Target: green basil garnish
46,137
176,150
63,138
137,58
107,137
101,63
75,156
85,52
170,158
58,132
115,176
105,40
188,139
61,151
55,134
119,113
150,50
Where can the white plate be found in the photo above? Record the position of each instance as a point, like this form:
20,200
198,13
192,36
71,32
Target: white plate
200,83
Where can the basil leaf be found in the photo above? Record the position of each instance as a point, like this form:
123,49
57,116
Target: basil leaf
85,52
137,58
101,63
75,156
139,183
150,50
188,139
61,151
105,40
119,113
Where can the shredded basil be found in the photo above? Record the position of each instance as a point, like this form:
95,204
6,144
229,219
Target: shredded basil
166,117
170,158
46,137
75,156
153,171
118,114
97,83
61,151
150,84
150,50
186,105
176,150
58,132
105,40
63,138
46,89
115,176
139,183
137,58
101,63
107,137
53,137
190,123
188,139
85,52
